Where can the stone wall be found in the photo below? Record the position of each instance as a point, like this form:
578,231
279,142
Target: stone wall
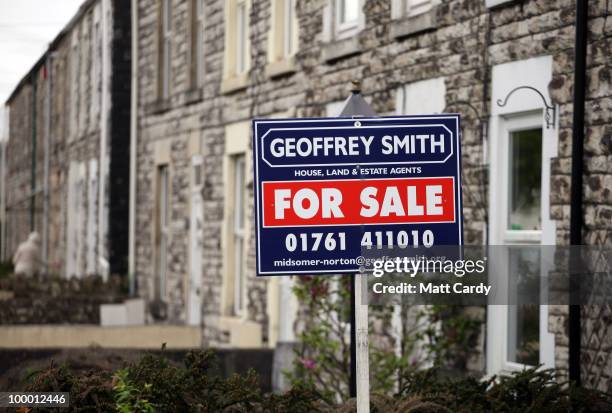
57,300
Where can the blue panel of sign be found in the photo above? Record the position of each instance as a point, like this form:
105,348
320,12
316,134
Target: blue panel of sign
326,188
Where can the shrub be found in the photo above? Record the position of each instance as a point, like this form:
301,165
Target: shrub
154,384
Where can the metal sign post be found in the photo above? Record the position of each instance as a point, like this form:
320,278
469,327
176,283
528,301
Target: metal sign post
326,188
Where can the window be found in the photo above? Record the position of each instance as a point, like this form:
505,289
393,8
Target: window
96,69
290,28
347,15
422,97
236,218
241,36
238,232
520,149
411,17
165,48
237,47
342,21
283,31
521,181
409,8
495,3
196,241
162,232
92,209
347,12
525,184
74,84
197,44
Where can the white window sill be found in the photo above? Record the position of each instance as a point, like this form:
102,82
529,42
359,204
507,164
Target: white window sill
412,25
193,96
284,67
234,83
158,106
338,49
498,3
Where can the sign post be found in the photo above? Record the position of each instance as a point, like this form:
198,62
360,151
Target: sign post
360,364
326,188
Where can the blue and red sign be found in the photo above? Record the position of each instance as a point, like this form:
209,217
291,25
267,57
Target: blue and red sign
325,189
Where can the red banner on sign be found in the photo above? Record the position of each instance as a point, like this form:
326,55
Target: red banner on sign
358,202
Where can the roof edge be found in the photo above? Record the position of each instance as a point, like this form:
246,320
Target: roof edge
83,8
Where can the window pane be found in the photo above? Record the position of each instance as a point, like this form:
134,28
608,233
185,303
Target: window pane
167,16
525,179
239,207
239,184
414,7
241,37
524,320
349,10
288,41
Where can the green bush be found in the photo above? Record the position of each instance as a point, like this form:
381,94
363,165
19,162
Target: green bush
154,384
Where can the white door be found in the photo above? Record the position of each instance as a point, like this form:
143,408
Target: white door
92,208
76,177
196,242
518,334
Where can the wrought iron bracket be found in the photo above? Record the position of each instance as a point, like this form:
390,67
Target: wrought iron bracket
550,112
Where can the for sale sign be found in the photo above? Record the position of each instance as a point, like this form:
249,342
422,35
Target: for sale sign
327,188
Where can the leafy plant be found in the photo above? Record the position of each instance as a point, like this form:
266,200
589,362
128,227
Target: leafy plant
154,384
432,335
129,398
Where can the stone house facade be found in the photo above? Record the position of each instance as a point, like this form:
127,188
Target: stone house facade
206,68
66,158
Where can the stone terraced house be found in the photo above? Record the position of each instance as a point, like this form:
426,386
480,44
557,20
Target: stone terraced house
203,69
66,161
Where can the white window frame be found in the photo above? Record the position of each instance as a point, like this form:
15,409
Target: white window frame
234,291
74,84
334,29
348,26
165,65
199,62
196,235
96,69
500,147
289,28
237,53
411,8
282,39
495,3
242,34
92,209
527,121
239,232
523,110
196,43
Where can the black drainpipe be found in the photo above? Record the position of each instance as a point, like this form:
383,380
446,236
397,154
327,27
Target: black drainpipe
576,185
